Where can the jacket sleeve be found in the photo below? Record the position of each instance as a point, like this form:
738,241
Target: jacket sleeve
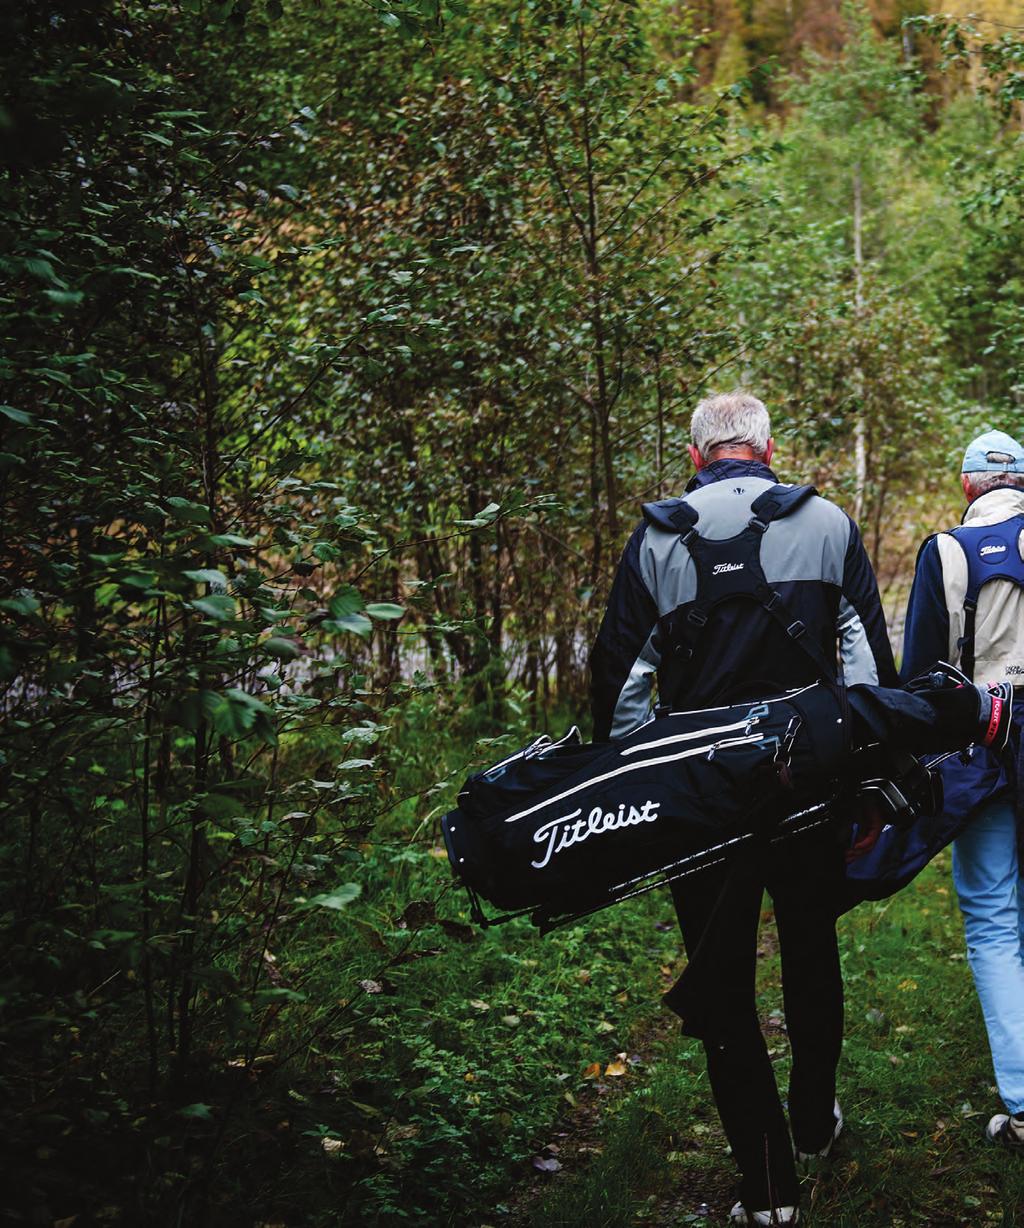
926,629
623,660
863,638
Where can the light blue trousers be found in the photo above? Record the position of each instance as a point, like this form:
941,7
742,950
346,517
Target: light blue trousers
991,892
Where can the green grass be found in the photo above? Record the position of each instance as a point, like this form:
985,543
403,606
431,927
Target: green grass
915,1081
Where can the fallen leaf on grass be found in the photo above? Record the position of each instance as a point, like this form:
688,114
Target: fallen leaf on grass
545,1164
371,986
592,1071
457,930
417,914
331,1145
478,1004
616,1068
604,1026
511,1021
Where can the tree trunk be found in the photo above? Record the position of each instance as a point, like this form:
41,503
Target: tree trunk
859,426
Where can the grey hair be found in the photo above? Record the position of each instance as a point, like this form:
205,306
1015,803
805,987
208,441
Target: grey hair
730,418
982,483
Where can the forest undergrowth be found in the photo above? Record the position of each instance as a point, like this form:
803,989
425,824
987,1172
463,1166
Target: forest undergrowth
340,345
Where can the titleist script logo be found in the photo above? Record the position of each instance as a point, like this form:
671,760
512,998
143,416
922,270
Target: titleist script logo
992,550
719,568
570,829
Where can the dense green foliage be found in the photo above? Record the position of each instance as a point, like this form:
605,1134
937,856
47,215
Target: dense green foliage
341,342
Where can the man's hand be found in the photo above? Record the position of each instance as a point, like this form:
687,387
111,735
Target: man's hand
869,828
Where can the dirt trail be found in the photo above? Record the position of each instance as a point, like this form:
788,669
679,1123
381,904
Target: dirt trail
699,1196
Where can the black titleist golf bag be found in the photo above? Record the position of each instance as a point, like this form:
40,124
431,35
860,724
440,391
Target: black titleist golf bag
561,829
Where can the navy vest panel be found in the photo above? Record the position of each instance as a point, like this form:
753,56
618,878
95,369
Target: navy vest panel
992,554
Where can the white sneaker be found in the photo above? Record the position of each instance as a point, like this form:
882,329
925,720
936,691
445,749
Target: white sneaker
764,1219
805,1158
1008,1130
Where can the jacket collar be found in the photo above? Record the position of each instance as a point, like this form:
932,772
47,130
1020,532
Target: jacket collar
995,506
731,467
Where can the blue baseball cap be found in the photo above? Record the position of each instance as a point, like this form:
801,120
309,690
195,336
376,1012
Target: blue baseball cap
993,452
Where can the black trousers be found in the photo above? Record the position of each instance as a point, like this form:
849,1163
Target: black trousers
803,878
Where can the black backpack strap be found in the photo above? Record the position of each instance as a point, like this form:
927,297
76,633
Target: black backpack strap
776,502
796,629
684,518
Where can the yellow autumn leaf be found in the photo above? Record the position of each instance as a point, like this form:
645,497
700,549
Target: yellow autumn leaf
592,1071
614,1069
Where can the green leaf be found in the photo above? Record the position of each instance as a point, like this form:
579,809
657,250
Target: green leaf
217,606
185,509
278,646
17,415
136,579
24,603
337,899
358,624
65,298
385,609
201,1111
207,575
483,518
347,600
235,714
229,539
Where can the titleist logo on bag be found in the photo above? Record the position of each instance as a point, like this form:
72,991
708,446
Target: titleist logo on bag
720,568
570,829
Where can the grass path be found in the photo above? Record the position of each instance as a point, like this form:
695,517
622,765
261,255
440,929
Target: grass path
915,1083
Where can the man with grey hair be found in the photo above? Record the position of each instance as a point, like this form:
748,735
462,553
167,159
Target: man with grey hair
741,589
967,607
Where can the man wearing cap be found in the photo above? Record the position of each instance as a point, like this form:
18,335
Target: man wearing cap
967,607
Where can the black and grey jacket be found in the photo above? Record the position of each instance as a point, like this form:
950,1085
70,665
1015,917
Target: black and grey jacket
814,559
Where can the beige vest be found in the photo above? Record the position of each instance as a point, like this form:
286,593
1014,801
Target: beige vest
999,622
